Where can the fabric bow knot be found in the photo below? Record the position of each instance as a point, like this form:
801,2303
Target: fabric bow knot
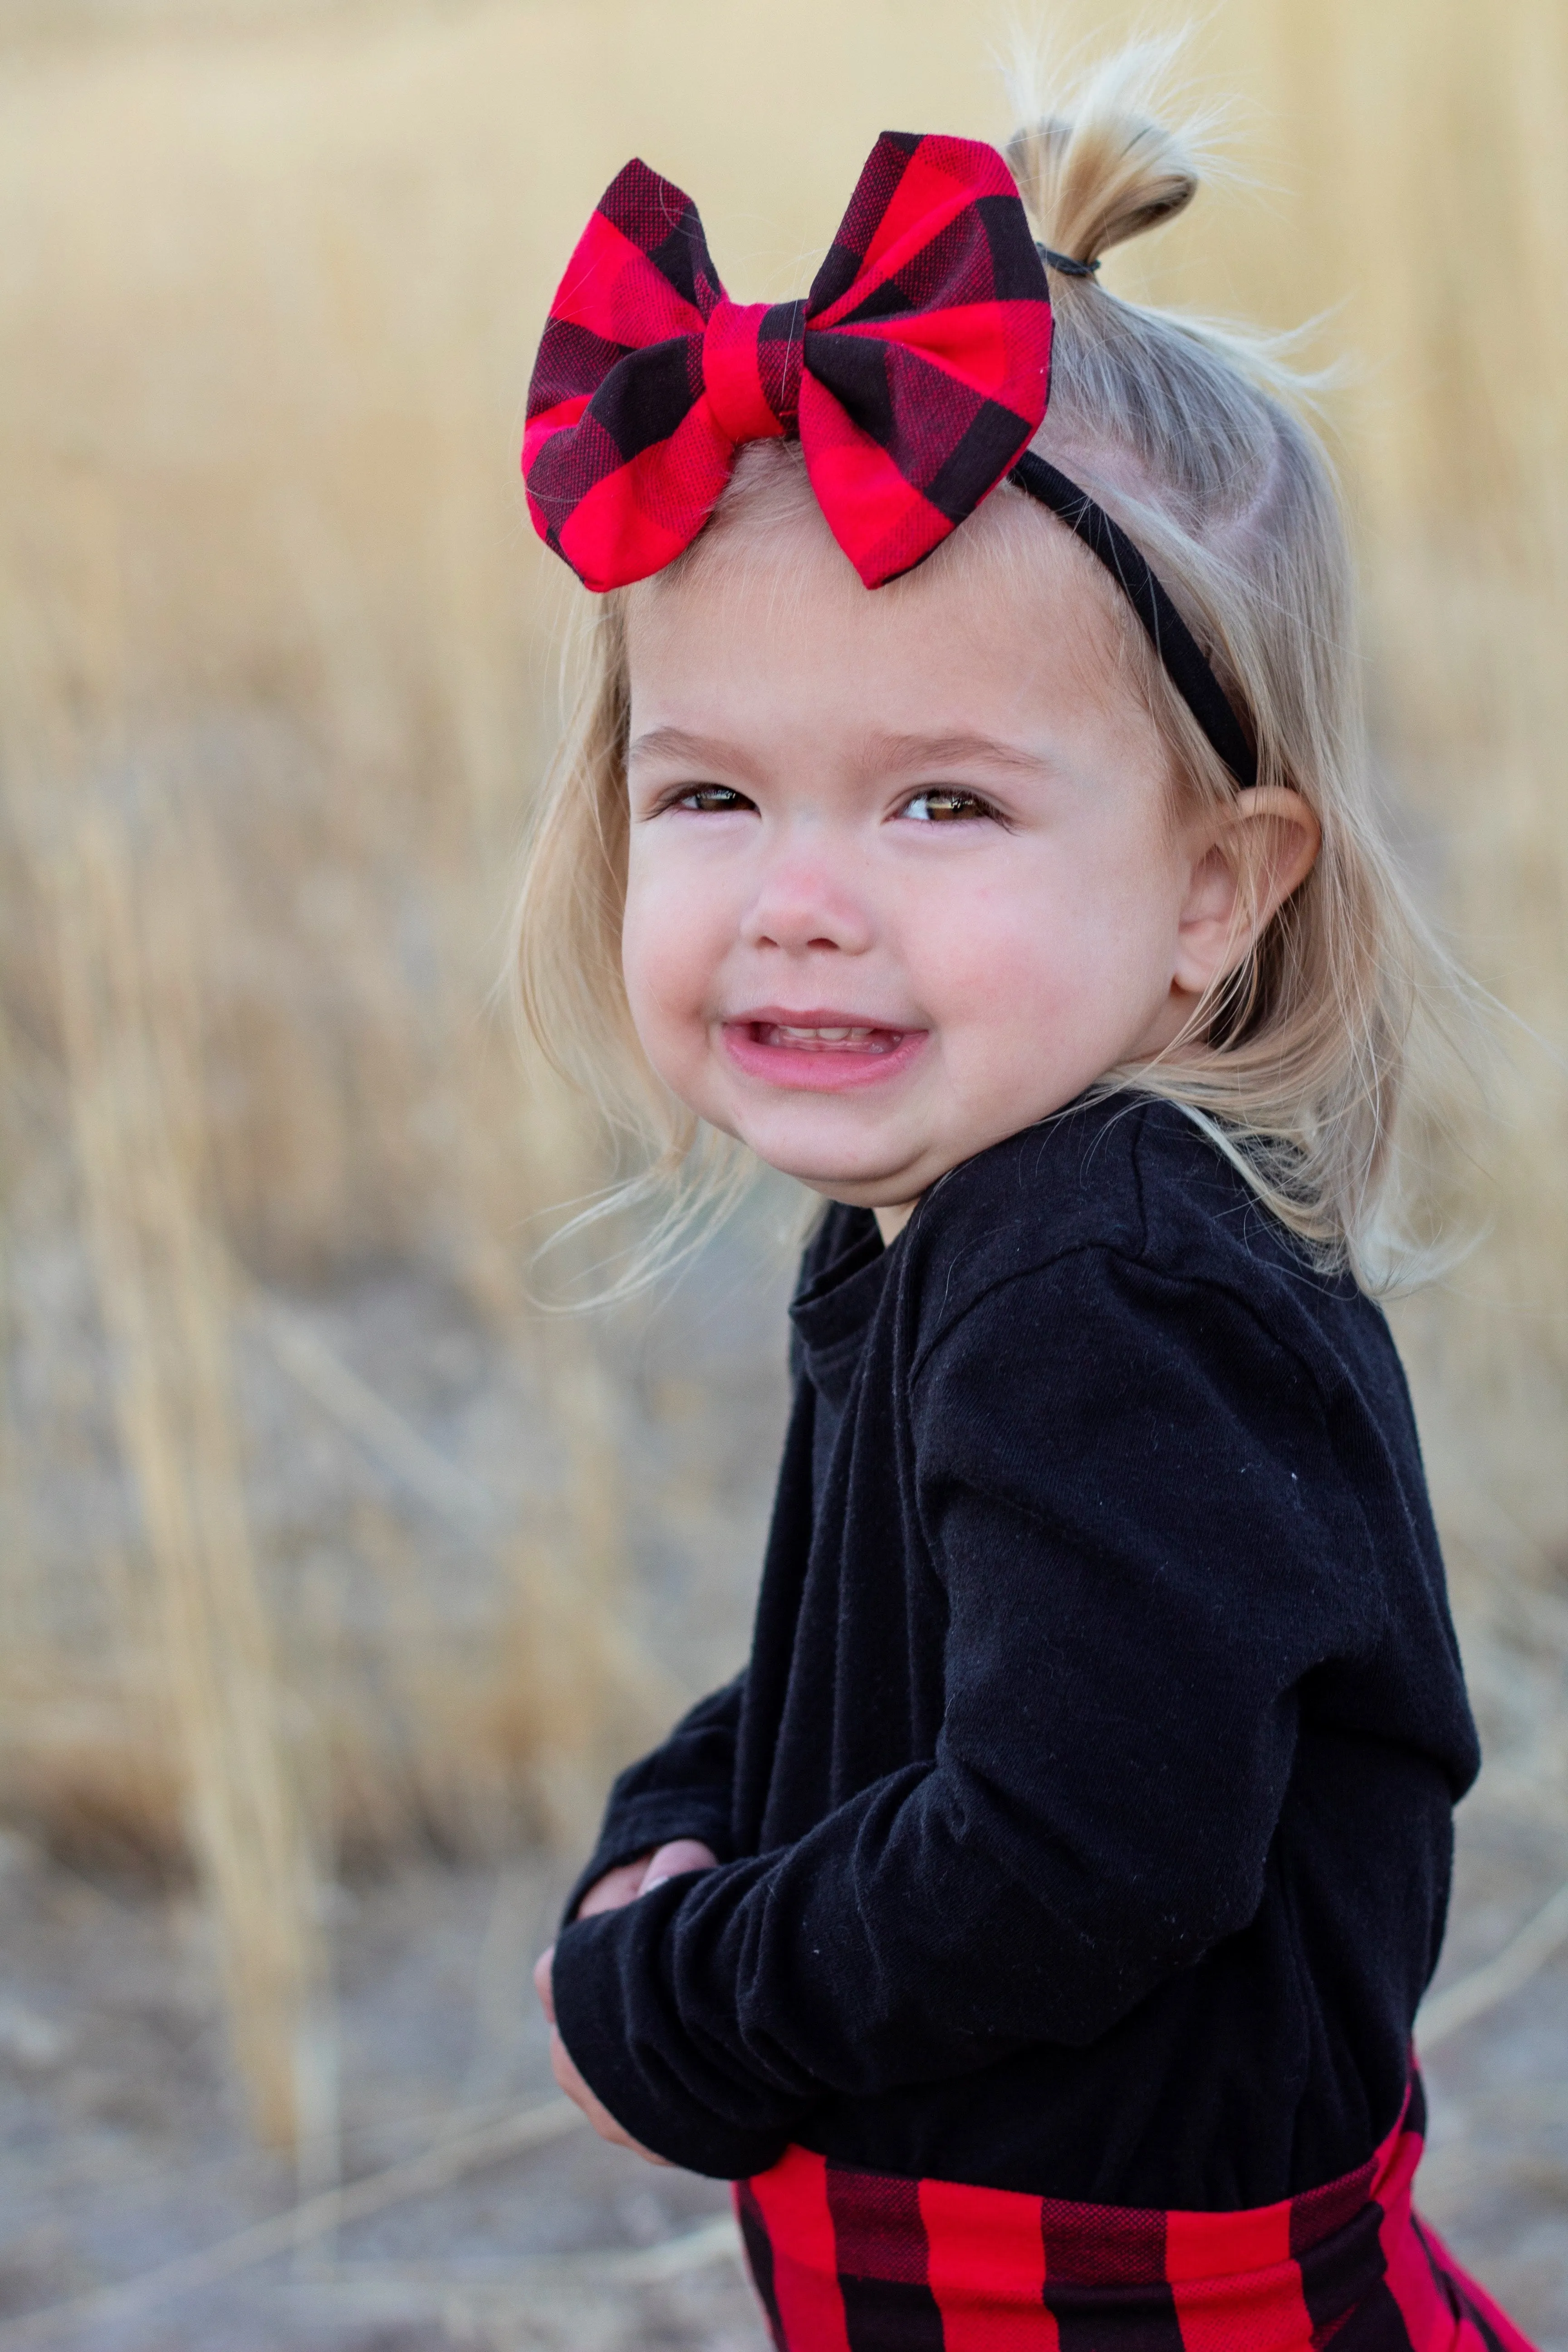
915,373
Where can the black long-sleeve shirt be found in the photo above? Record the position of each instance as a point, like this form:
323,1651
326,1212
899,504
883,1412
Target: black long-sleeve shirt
1084,1814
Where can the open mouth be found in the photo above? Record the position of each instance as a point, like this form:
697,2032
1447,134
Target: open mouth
804,1039
822,1052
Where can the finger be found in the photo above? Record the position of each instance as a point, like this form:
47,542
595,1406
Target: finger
617,1886
544,1982
680,1856
564,2069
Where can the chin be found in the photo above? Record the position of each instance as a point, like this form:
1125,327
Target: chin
824,1153
859,1186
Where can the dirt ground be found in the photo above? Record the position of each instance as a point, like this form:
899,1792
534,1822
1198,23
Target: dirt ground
121,2150
133,2207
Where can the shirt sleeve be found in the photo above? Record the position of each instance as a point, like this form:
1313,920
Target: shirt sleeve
1128,1490
683,1790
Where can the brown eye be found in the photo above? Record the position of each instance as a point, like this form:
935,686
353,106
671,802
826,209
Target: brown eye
709,800
945,804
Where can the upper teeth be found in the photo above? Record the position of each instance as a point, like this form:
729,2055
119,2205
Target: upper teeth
786,1030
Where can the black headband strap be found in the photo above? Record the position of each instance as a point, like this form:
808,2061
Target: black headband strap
1172,639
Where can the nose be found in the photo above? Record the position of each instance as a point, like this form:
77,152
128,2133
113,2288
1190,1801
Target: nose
806,903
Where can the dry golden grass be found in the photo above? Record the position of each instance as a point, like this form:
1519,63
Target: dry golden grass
135,1096
275,659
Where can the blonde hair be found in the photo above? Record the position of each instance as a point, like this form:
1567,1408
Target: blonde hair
1296,1063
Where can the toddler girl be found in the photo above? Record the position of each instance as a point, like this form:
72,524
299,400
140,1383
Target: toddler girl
969,816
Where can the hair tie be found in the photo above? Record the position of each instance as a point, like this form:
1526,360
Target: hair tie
1066,264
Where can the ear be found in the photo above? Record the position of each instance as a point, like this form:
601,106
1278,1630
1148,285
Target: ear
1245,861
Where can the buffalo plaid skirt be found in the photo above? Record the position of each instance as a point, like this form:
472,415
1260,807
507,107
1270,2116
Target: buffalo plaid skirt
868,2262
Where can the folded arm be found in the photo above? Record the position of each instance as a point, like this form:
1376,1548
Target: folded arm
1123,1670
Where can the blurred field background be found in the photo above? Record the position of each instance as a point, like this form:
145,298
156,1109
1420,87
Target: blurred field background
329,1560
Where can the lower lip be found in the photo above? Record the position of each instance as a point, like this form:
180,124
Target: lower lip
820,1069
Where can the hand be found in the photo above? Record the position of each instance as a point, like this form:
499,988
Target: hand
629,1879
622,1885
617,1888
565,2073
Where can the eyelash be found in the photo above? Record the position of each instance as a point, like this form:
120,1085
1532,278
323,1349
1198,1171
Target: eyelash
963,807
973,806
695,794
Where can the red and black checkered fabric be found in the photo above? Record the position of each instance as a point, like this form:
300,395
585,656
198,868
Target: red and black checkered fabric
915,373
862,2262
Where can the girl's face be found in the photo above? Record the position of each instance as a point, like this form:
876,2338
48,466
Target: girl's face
903,873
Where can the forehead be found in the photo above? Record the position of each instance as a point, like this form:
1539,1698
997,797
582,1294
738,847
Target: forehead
1009,613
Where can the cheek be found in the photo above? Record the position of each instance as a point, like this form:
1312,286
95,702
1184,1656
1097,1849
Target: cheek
672,937
1077,940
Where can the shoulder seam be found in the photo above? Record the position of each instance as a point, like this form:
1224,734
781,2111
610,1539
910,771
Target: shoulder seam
1218,1287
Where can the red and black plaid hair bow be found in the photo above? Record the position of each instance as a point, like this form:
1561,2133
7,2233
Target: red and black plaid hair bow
914,375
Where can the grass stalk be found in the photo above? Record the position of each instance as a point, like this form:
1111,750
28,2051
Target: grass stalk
136,1105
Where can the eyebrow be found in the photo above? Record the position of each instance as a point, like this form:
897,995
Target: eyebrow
881,749
697,751
878,750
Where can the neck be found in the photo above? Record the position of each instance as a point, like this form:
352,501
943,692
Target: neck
890,1222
